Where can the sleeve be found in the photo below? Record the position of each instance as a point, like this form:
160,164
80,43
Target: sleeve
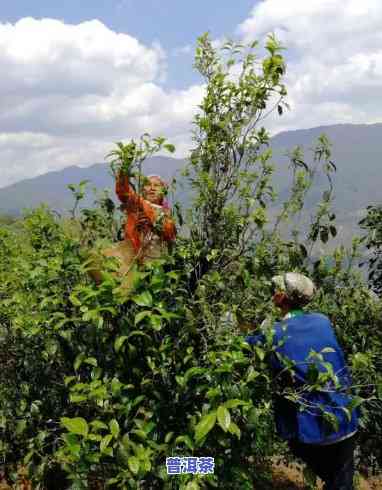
126,193
128,196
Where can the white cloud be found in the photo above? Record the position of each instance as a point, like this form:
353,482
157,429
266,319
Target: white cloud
67,92
334,58
46,57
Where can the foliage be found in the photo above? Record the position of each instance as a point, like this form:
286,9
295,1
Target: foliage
229,167
100,386
372,226
128,378
127,158
6,219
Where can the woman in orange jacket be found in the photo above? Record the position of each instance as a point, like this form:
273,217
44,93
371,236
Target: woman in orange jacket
149,226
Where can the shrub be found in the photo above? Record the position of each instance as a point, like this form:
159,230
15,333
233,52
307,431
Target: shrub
103,386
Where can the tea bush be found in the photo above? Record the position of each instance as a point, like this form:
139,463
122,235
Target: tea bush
98,387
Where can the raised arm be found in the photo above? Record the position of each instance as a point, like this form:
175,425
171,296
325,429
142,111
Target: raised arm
131,199
125,192
147,212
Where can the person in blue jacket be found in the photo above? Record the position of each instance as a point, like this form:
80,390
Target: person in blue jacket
325,443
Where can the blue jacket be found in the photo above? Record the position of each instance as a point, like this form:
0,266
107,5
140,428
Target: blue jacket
302,334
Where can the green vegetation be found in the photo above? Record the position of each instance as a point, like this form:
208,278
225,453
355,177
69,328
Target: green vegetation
6,219
372,224
98,386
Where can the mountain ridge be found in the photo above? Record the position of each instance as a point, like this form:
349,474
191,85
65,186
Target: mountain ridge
356,150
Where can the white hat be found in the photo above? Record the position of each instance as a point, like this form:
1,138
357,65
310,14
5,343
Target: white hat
298,288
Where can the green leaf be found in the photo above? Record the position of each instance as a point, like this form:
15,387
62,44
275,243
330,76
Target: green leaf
224,417
260,353
76,425
69,379
114,428
324,235
303,250
168,437
333,231
119,341
97,424
91,360
105,442
70,439
187,441
192,485
312,373
21,426
310,478
156,322
355,402
112,481
139,333
28,457
252,375
332,420
143,299
234,403
147,428
141,315
234,429
95,437
194,371
360,361
74,300
138,400
77,398
205,425
169,147
140,433
133,464
116,386
75,449
78,361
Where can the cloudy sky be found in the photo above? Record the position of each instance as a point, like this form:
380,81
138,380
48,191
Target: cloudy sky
77,76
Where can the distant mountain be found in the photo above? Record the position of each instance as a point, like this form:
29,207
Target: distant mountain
357,152
51,188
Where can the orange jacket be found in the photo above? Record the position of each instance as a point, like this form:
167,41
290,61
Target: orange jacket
138,207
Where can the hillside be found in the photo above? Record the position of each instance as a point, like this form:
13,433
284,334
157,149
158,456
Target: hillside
51,188
356,151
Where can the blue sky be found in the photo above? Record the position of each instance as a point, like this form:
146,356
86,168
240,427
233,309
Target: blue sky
77,76
172,23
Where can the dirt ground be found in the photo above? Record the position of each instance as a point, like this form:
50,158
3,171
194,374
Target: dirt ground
284,478
291,478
